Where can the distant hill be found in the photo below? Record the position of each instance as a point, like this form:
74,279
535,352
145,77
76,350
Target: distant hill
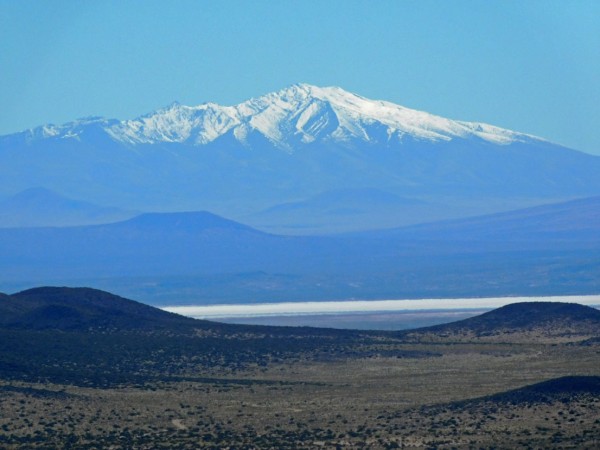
83,309
540,251
342,210
571,220
548,318
181,222
174,243
36,207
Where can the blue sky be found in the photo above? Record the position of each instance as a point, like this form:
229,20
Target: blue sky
532,66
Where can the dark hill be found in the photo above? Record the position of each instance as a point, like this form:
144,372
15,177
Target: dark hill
93,338
532,314
83,308
524,317
87,309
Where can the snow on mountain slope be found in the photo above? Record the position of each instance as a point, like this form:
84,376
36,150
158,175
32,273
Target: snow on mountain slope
299,114
178,123
309,109
70,130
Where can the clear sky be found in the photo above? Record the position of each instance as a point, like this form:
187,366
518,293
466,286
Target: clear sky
531,66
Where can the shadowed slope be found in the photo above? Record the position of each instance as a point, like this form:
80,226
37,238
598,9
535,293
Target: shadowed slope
558,389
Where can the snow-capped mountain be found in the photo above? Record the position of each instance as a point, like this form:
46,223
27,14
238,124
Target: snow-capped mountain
298,114
295,145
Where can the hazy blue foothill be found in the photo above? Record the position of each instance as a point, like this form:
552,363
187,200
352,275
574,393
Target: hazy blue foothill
177,257
37,206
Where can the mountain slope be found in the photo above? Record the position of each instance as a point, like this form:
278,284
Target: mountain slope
572,220
342,210
289,146
36,207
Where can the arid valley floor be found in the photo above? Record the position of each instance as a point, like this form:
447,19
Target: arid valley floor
519,378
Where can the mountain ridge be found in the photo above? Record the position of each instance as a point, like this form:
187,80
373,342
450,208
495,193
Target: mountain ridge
302,110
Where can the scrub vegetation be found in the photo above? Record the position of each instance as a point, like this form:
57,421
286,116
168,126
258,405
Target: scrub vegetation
83,378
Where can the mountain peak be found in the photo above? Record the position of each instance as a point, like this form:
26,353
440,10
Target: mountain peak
305,90
297,115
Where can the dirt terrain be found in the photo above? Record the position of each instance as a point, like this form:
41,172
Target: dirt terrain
328,389
371,402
